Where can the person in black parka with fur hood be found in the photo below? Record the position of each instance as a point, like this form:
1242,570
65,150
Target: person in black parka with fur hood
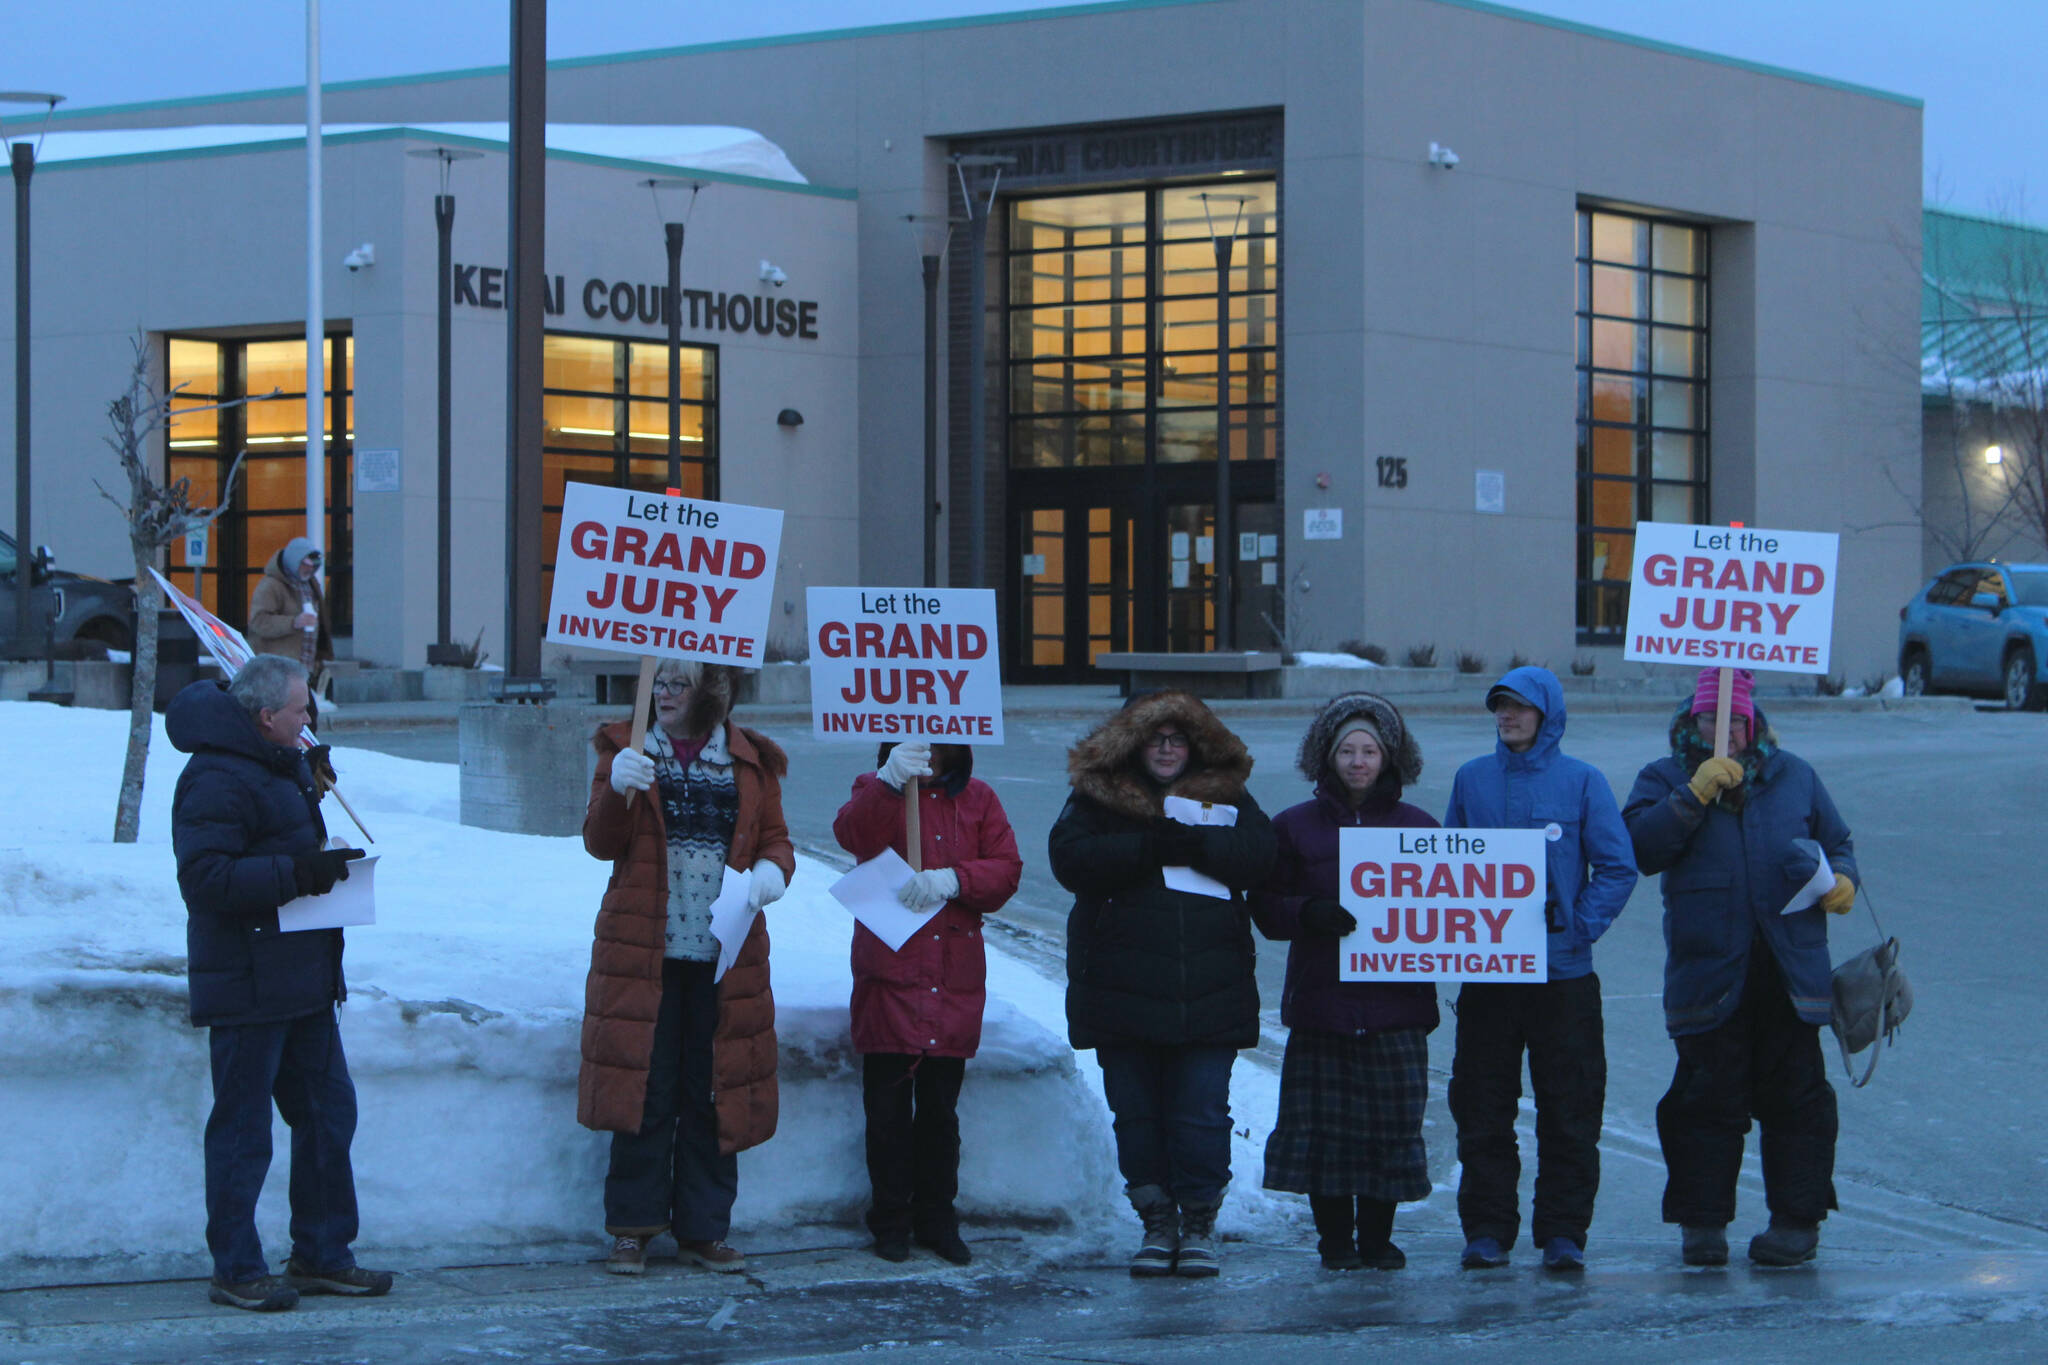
1159,981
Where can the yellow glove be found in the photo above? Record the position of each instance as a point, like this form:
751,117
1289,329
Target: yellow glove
1842,898
1715,776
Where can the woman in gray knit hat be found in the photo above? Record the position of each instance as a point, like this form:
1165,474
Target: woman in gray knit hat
1356,1074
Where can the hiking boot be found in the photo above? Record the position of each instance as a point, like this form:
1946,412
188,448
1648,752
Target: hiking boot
1483,1253
1785,1243
893,1247
1197,1259
629,1257
1161,1247
265,1294
350,1280
946,1244
711,1256
1703,1244
1563,1254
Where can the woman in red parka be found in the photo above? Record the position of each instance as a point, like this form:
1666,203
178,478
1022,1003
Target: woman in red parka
917,1011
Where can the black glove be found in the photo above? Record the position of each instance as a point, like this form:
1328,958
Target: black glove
1175,844
1326,918
320,758
318,871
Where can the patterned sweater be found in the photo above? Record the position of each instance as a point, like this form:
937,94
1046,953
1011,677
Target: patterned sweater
699,807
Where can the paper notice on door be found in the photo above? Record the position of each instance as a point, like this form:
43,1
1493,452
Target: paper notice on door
1269,573
869,891
350,903
1180,573
731,919
1196,813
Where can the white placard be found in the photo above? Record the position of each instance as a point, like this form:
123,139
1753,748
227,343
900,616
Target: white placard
1179,573
1205,549
905,663
350,903
731,919
1443,905
1196,813
1490,492
1248,545
1322,523
377,471
1179,544
195,547
1706,595
644,573
1269,547
1034,565
869,891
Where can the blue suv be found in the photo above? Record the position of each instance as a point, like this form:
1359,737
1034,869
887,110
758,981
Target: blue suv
1981,629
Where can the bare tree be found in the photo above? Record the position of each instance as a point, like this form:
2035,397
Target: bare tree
157,514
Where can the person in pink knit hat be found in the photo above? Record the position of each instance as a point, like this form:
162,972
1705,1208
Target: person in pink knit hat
1746,986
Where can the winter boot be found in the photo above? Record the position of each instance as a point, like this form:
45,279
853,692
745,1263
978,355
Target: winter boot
945,1242
1198,1240
629,1256
1334,1240
1376,1249
1484,1253
1704,1244
1785,1243
1161,1246
892,1246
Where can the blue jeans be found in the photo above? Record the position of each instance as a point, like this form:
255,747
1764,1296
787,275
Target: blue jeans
1172,1109
671,1175
298,1064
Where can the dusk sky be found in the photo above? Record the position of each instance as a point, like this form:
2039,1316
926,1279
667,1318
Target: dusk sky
1975,63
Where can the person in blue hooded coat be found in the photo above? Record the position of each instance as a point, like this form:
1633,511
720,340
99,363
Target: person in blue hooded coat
1746,986
246,827
1528,782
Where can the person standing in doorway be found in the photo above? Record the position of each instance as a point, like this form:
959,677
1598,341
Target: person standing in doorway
1159,975
917,1009
288,612
1528,782
1746,986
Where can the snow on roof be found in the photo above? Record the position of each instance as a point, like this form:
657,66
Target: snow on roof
703,147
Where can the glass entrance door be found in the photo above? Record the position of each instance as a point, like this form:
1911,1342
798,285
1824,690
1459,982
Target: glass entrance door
1076,574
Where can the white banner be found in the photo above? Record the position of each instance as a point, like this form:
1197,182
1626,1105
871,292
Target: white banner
1443,905
1705,595
644,573
905,663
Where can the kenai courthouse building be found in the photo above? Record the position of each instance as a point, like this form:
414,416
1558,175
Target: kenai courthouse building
1500,287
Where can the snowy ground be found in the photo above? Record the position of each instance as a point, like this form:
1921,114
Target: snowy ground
462,1033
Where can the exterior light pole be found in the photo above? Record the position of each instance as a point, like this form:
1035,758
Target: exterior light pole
1223,558
22,160
931,244
444,650
526,306
977,358
672,308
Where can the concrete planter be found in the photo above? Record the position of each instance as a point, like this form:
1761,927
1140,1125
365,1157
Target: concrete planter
527,769
776,685
1330,682
444,683
95,684
369,685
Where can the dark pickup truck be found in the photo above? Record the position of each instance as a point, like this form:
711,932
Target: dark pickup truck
83,608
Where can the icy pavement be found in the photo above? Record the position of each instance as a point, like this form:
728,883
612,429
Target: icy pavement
1272,1303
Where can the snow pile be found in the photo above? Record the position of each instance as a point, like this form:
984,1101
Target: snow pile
1316,659
461,1028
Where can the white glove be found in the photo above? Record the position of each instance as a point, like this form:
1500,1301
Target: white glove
906,761
631,772
928,890
765,885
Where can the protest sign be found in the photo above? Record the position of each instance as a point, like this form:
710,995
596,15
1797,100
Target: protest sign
905,663
1443,905
1733,596
664,576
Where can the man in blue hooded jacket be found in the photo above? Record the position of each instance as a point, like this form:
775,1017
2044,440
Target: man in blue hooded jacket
246,825
1527,782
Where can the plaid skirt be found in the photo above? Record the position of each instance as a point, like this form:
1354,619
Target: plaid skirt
1351,1116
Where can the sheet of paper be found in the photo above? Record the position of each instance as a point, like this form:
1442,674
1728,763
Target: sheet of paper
1196,813
1819,884
350,903
731,918
869,891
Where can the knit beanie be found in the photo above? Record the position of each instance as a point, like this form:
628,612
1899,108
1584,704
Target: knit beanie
1741,700
1355,725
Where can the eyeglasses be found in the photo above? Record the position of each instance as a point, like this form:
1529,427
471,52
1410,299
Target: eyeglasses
673,687
1171,740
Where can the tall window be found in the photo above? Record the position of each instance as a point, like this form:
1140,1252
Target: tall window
1112,325
268,505
1642,370
604,419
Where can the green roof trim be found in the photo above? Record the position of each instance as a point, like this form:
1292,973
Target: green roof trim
941,25
661,168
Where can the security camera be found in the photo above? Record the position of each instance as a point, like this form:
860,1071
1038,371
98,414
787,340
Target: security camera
366,254
773,274
1442,157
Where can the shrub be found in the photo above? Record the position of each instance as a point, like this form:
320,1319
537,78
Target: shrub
1371,653
1519,660
1829,684
1873,685
789,649
1422,656
1583,666
1471,663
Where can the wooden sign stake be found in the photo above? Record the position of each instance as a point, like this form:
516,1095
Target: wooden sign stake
643,702
913,838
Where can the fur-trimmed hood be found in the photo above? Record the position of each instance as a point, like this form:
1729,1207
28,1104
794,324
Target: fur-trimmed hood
1404,754
1106,766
